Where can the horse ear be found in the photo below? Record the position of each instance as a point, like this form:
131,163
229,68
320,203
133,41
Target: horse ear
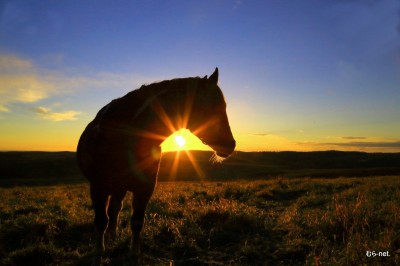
214,77
205,77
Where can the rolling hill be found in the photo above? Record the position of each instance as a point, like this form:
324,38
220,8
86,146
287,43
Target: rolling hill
241,165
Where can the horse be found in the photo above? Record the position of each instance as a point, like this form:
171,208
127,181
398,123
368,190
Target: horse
120,150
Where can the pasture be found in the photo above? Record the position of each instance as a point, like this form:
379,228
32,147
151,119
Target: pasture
279,221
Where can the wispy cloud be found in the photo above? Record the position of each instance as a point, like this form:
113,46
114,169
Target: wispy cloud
41,110
352,138
259,134
366,144
47,114
10,64
355,144
21,81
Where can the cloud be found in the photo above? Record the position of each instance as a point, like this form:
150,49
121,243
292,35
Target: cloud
9,64
3,109
41,110
352,138
20,83
359,144
259,134
378,145
47,114
24,89
65,116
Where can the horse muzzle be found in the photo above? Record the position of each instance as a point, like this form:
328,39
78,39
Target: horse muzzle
224,149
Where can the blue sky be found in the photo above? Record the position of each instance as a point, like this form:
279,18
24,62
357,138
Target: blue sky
297,75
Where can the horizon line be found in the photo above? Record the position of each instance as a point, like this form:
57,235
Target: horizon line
211,151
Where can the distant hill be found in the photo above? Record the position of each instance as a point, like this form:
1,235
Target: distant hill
249,165
38,165
241,165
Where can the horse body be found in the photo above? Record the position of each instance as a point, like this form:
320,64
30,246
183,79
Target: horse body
120,151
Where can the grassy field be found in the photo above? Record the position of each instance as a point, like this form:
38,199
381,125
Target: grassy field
268,222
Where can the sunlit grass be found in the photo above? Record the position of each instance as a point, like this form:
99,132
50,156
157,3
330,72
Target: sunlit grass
274,222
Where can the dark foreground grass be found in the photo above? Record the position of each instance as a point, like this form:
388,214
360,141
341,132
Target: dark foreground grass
274,222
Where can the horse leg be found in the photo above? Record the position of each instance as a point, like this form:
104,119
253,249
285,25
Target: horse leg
140,199
114,207
100,201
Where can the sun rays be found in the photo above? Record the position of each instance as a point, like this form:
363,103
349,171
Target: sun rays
176,137
180,140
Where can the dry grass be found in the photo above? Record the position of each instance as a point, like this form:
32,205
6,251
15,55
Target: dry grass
275,222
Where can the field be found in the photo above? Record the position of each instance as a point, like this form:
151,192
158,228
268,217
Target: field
276,221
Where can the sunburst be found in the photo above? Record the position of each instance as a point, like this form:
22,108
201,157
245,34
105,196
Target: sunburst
181,140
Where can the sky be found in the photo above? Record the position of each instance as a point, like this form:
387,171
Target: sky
297,75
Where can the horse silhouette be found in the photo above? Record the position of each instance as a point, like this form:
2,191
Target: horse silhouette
120,151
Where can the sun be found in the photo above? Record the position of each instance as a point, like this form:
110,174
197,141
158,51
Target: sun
180,141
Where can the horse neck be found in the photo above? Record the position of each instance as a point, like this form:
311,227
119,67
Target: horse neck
162,108
171,108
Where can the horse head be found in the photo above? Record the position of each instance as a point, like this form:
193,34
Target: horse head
209,120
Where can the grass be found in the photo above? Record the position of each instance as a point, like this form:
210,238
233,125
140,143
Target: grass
270,222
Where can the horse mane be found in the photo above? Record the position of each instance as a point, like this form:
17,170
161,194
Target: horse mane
162,85
145,92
